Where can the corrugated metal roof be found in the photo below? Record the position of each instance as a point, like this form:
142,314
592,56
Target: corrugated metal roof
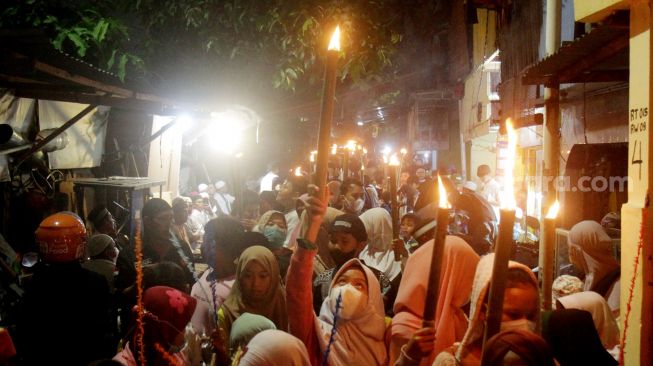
601,55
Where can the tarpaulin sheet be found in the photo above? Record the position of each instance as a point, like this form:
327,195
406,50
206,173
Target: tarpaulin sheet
85,138
18,113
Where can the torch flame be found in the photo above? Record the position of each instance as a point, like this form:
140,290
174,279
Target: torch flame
334,149
351,145
442,195
553,210
508,201
403,151
298,171
394,160
334,44
312,157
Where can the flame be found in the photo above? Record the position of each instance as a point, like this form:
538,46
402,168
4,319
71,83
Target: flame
553,210
298,171
385,159
334,149
334,43
351,145
442,195
508,201
394,160
365,151
403,151
312,157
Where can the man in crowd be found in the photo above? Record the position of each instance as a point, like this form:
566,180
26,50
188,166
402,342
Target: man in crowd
222,198
159,244
269,180
102,222
352,196
348,237
488,188
66,316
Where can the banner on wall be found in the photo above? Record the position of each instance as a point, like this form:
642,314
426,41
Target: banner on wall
85,138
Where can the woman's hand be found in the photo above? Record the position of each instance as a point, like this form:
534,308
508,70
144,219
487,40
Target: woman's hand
421,344
314,206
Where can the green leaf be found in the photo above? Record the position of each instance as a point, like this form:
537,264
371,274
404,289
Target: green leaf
79,43
100,30
112,60
122,67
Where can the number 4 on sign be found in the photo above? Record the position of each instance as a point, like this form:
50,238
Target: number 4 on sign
639,161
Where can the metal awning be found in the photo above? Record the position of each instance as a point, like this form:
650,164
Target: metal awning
599,56
32,68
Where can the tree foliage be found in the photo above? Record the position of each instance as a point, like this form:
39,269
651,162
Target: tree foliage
279,43
82,28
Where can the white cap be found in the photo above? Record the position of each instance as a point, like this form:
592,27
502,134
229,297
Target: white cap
220,184
202,187
98,243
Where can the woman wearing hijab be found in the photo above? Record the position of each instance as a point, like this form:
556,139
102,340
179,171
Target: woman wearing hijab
350,328
378,253
520,310
573,338
273,226
458,265
274,348
257,290
224,240
595,304
517,347
245,328
166,313
591,251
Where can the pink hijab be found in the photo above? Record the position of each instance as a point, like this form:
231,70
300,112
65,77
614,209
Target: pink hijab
458,265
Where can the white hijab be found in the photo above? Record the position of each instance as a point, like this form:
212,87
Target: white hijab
359,341
596,305
378,252
591,248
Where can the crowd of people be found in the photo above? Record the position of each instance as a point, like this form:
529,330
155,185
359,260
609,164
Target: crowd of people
293,276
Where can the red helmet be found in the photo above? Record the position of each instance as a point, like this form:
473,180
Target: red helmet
61,238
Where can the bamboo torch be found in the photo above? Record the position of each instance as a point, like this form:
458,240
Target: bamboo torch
393,166
504,243
311,166
433,290
326,116
547,255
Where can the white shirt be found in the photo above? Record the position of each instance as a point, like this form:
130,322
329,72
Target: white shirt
491,191
224,201
267,181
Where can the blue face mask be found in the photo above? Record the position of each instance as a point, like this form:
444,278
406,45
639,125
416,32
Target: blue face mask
275,235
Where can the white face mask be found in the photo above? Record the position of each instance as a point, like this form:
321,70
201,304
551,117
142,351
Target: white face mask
523,324
350,305
355,206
